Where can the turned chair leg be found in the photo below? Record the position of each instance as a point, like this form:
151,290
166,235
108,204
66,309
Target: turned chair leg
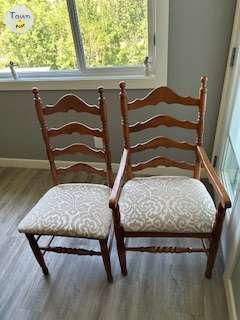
106,258
37,252
121,251
211,257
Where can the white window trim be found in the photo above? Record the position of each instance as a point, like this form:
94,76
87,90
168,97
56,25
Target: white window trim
108,77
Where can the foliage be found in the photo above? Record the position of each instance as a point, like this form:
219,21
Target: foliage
114,33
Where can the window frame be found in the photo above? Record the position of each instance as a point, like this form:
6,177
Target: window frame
89,78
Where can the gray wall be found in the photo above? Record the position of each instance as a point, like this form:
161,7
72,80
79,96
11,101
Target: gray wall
199,38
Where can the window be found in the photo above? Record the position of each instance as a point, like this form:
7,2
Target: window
231,171
231,162
86,40
114,33
47,46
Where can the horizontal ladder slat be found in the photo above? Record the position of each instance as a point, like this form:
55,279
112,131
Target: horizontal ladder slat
81,166
75,127
71,102
159,249
167,162
162,94
163,120
78,148
162,142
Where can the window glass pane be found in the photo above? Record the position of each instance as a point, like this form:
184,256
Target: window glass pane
234,126
114,32
231,171
47,46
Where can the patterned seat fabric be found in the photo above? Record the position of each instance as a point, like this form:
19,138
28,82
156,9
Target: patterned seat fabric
74,209
166,204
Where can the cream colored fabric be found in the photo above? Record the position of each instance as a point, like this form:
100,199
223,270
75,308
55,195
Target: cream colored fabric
166,204
74,209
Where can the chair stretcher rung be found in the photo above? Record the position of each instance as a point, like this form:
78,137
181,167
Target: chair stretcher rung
81,252
158,249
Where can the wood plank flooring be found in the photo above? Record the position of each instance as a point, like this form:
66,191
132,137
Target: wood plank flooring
77,287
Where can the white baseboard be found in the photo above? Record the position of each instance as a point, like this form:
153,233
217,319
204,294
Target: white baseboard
44,164
40,163
230,299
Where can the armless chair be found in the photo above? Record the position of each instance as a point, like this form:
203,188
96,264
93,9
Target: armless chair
167,206
73,209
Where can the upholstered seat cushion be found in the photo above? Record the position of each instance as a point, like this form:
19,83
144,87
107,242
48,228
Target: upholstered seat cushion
166,204
74,209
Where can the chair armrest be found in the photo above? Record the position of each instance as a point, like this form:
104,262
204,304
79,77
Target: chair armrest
116,190
213,177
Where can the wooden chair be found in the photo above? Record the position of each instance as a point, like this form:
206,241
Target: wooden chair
73,209
172,206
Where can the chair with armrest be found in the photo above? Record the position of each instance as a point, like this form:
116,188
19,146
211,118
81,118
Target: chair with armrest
78,210
166,206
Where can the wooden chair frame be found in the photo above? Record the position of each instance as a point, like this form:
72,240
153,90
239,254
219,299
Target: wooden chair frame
126,169
65,104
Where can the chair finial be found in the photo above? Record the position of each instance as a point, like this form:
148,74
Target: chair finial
35,91
100,91
122,86
204,81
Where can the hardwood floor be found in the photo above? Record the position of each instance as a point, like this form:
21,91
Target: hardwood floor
77,287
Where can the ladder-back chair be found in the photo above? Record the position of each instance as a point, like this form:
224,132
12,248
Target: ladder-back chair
166,206
77,210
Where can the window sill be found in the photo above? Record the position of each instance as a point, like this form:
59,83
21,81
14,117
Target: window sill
83,83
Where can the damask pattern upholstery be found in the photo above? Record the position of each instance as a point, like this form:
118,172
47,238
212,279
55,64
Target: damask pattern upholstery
73,209
166,204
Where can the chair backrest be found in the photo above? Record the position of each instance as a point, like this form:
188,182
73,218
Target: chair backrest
64,104
163,94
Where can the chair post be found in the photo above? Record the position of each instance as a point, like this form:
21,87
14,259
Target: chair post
214,242
37,252
201,116
107,153
106,258
44,129
125,125
119,233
